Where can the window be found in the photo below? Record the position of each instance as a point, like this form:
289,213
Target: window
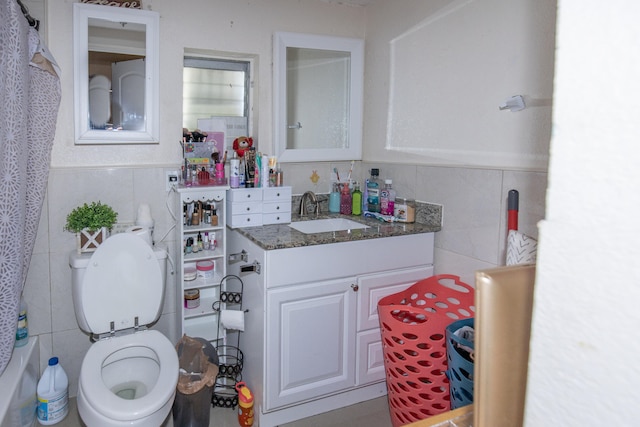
214,88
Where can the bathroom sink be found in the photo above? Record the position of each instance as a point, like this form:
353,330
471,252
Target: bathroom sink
326,225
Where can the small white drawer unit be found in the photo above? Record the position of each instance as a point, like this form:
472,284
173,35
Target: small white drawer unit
252,207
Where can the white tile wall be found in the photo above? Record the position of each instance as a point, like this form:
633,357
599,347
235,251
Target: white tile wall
472,236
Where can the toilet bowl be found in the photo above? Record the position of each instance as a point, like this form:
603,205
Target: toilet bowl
129,375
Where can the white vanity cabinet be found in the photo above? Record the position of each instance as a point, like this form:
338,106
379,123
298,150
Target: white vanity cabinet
312,338
201,321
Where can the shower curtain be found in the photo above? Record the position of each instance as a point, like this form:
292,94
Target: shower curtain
29,101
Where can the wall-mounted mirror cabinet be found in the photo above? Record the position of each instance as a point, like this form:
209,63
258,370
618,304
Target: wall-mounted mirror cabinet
116,75
318,89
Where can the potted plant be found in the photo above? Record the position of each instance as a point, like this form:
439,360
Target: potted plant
92,224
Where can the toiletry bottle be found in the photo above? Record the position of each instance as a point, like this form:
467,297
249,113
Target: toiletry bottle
387,198
345,200
334,199
365,196
234,171
356,200
245,405
195,218
53,394
373,192
22,333
205,241
214,217
199,241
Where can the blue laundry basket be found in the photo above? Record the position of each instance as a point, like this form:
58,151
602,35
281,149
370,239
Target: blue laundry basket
460,365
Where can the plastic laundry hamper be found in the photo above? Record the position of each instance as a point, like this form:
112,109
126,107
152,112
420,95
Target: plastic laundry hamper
413,324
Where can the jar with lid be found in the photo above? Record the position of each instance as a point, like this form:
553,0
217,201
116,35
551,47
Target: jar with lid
404,209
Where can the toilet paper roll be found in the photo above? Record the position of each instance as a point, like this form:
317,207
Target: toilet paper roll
232,319
143,232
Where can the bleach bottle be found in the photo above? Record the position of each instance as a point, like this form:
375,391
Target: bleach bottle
53,394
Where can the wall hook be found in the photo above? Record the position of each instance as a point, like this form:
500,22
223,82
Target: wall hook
515,103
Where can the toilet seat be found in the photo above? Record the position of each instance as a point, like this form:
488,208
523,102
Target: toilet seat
106,402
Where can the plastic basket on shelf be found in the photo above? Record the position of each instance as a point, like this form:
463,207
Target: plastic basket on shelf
460,358
413,324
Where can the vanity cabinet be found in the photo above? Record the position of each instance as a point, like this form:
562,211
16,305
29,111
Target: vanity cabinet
201,321
312,340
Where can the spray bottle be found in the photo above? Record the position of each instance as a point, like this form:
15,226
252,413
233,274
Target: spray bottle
245,405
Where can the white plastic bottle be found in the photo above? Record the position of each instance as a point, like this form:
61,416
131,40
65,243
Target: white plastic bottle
22,332
387,198
53,394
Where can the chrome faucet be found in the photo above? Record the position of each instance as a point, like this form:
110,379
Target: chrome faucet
312,197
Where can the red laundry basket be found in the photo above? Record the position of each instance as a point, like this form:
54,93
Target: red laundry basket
413,324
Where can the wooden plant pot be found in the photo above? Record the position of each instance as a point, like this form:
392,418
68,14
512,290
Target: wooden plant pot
86,241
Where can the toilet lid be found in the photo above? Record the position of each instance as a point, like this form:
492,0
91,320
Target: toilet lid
122,281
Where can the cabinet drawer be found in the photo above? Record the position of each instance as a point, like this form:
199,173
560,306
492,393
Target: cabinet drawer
272,194
252,220
276,218
245,208
245,194
268,208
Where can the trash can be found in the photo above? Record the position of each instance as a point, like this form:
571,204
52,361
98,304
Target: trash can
198,370
412,326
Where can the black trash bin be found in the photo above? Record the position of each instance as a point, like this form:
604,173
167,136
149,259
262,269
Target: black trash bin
198,372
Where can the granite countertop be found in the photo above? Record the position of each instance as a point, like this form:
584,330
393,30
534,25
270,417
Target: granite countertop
281,236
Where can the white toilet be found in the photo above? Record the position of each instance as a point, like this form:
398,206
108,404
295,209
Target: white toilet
129,375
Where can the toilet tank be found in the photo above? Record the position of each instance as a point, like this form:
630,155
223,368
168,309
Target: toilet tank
79,263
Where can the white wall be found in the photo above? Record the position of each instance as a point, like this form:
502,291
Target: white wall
241,28
438,70
583,366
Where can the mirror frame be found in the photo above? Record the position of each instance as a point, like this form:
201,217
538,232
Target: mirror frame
83,133
283,40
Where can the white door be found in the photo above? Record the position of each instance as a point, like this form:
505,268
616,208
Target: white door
128,82
99,101
310,341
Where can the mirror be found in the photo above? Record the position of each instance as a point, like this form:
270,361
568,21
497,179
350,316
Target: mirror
318,86
116,75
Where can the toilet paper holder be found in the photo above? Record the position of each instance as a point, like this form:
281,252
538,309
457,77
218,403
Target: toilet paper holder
240,256
255,267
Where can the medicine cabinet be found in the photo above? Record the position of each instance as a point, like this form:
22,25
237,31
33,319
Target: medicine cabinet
115,75
318,92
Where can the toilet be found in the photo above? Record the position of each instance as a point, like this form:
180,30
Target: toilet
129,375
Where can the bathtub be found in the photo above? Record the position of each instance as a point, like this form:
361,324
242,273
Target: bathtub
18,384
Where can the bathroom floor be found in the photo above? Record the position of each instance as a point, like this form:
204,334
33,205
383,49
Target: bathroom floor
373,413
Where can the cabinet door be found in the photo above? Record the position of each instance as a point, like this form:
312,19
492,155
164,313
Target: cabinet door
310,341
372,288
